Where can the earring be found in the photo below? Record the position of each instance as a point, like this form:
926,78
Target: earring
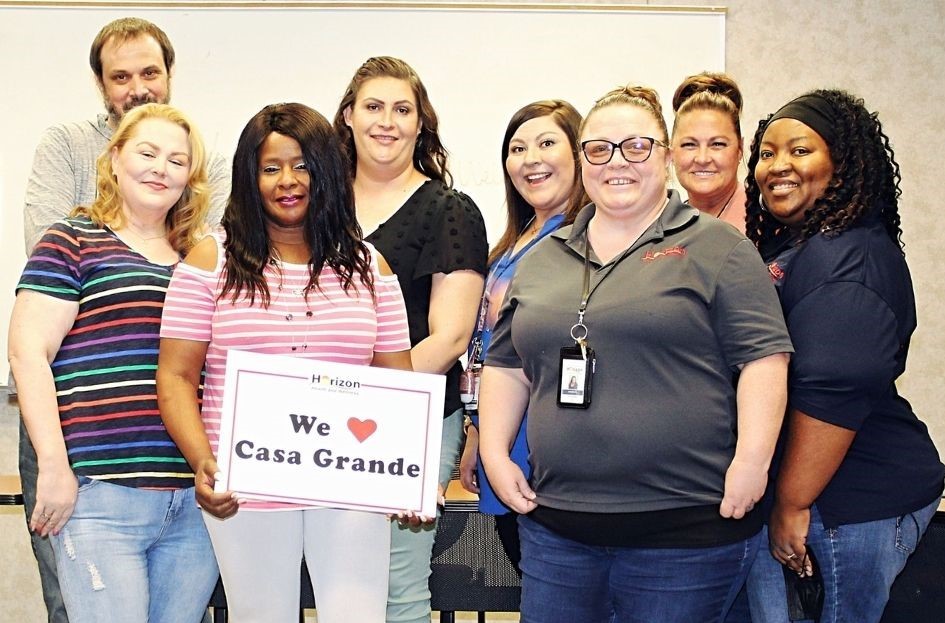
761,203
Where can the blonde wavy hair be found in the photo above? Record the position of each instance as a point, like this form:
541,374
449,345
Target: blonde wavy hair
186,219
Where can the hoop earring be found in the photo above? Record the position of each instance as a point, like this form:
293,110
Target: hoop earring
761,203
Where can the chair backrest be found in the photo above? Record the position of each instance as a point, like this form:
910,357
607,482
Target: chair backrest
470,569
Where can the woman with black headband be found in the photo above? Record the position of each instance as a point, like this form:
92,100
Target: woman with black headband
859,477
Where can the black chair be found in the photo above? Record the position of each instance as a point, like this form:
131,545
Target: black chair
471,572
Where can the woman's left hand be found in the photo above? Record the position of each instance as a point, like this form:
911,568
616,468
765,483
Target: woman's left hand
787,536
744,485
414,520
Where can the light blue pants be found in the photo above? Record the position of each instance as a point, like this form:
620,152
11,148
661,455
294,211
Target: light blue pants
133,555
408,599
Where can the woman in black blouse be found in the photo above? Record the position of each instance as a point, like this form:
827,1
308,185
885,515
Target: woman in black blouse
434,239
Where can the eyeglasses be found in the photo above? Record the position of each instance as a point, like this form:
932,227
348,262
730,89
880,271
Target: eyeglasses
634,149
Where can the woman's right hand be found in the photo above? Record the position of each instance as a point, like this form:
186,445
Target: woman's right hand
56,493
469,462
221,505
509,483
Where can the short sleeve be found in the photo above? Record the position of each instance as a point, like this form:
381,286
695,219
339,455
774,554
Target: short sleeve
746,312
455,238
50,188
502,351
189,304
54,265
846,351
393,334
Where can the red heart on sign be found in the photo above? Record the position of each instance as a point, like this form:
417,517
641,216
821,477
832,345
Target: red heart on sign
361,429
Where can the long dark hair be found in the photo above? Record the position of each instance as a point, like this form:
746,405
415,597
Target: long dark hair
520,212
429,155
330,227
865,179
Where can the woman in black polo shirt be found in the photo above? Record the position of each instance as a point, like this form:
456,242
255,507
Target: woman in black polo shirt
860,478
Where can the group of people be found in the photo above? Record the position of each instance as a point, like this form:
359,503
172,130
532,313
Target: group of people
709,384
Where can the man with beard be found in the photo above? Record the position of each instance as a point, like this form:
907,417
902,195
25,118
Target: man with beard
132,60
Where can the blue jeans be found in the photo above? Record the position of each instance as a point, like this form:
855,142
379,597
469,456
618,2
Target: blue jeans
132,555
564,581
858,563
408,598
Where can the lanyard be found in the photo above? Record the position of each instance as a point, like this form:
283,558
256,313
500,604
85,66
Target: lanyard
474,354
579,330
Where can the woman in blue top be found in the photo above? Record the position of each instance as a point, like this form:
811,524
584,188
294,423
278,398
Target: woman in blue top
543,191
859,477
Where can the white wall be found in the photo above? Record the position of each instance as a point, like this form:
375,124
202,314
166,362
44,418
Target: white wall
479,66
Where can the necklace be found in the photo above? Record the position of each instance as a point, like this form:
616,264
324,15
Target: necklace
290,317
727,202
531,227
129,229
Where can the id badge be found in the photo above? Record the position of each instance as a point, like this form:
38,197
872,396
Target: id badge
576,374
469,387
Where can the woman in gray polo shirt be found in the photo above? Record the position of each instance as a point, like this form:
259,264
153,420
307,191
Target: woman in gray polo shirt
641,502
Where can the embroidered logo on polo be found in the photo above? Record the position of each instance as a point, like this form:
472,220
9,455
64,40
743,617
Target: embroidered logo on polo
652,256
776,272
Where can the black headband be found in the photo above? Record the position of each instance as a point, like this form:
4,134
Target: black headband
813,111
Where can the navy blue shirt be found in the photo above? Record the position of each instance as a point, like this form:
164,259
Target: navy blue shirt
850,309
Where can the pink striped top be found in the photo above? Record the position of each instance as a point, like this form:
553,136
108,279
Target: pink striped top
342,327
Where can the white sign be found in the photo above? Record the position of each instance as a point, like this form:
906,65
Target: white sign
330,434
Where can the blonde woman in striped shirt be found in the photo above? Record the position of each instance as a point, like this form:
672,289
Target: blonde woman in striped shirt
288,274
114,493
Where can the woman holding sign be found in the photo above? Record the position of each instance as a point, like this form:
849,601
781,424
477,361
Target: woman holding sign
287,274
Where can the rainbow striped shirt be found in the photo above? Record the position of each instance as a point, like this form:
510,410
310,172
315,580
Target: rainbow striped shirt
104,370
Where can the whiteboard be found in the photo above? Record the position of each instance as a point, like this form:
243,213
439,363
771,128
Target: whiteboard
479,62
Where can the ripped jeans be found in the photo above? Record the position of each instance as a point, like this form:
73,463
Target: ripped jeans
132,555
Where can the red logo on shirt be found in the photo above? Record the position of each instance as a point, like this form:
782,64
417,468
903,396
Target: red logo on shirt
651,256
777,274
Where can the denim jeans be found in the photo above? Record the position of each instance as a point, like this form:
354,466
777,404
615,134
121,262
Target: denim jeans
858,563
564,581
408,599
132,555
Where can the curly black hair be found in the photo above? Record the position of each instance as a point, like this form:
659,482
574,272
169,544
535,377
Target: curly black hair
865,179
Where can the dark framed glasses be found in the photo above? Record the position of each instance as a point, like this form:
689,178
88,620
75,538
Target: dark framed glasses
633,149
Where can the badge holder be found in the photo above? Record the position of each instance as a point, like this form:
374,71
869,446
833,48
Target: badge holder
576,371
